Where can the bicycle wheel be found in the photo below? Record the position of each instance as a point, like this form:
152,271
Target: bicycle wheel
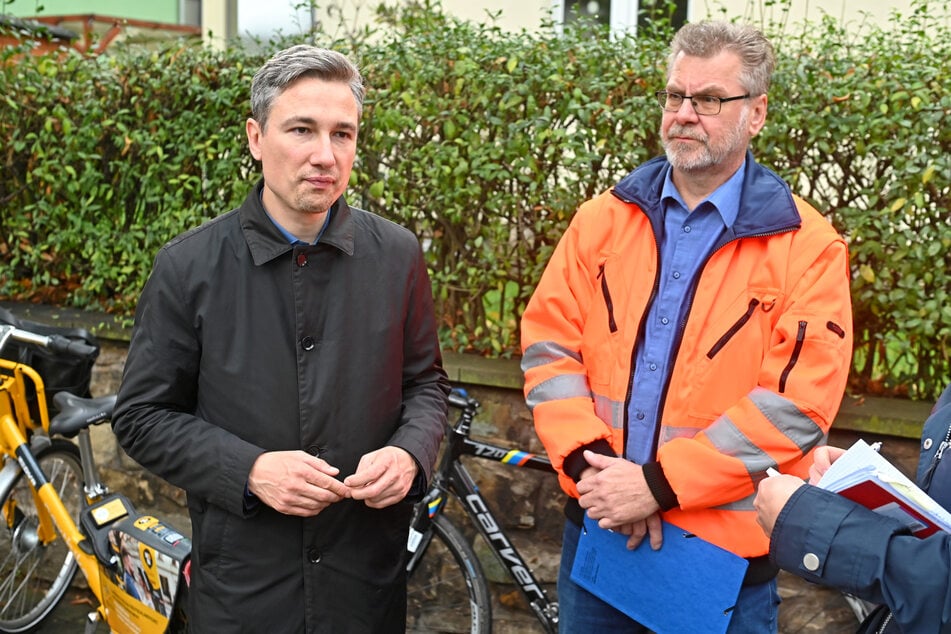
447,591
35,576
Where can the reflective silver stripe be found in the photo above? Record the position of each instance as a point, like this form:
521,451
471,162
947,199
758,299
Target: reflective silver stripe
746,504
670,433
610,411
545,352
557,388
785,417
730,441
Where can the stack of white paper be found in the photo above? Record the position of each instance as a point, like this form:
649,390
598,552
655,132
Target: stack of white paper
865,476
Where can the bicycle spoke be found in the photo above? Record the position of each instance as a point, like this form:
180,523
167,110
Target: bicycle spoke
19,591
35,575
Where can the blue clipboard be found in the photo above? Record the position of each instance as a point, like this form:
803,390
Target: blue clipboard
689,585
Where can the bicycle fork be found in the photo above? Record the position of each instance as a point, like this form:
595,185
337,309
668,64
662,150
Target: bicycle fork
420,527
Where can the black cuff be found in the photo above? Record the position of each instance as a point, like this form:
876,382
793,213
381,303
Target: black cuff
575,463
420,485
659,486
251,502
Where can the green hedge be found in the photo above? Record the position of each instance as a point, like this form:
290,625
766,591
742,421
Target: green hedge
484,142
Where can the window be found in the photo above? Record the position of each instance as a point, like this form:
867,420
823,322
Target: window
620,15
650,10
599,10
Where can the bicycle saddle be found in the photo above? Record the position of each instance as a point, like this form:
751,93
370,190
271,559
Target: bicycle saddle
76,413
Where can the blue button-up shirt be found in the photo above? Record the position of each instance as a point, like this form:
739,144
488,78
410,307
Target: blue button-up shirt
688,239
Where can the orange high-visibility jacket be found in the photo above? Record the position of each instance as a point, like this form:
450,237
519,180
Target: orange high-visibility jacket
760,364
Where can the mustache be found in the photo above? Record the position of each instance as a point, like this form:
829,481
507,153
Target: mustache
676,130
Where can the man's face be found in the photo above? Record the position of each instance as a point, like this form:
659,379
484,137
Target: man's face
307,149
711,143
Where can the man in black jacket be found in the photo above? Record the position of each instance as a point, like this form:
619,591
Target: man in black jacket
285,371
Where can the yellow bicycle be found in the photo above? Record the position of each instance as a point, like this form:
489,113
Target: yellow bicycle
57,515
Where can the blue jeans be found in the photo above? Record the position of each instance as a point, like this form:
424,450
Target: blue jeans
756,612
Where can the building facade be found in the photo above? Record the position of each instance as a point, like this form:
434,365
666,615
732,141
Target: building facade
220,20
99,23
625,15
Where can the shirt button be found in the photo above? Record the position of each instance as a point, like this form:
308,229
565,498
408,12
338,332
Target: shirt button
686,228
664,320
652,366
810,562
307,343
313,556
927,443
676,275
640,416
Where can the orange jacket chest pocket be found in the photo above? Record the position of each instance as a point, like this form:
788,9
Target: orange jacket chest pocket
723,355
612,321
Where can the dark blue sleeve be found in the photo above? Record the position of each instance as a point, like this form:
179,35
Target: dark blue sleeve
835,542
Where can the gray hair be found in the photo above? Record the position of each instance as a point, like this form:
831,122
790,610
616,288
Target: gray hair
293,63
707,39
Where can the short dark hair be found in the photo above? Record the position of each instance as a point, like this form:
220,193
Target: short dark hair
291,64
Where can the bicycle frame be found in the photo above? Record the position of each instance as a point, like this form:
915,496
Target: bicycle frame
452,478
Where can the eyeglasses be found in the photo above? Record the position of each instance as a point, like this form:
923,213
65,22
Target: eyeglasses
702,104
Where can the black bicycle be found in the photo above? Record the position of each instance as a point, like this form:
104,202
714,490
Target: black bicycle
448,591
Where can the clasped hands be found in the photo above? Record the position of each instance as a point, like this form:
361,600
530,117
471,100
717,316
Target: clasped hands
613,491
297,483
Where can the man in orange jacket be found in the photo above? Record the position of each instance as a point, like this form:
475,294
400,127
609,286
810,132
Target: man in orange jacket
692,329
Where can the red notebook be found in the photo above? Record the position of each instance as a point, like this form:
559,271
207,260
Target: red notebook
863,475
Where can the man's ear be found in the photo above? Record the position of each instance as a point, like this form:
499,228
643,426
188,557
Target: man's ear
255,133
758,114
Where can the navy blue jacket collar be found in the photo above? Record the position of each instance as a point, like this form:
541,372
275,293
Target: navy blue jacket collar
766,204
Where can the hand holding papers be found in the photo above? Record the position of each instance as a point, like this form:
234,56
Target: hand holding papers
862,475
689,585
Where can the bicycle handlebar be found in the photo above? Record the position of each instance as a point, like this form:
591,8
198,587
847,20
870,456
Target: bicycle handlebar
63,345
56,343
458,397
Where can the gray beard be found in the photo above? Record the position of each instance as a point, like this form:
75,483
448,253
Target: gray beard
709,155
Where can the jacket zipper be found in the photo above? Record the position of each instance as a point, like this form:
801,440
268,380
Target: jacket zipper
935,459
612,324
735,328
888,618
944,445
800,340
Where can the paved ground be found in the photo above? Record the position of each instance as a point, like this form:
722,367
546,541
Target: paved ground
805,609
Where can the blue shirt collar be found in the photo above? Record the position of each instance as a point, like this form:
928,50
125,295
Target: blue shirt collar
725,199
